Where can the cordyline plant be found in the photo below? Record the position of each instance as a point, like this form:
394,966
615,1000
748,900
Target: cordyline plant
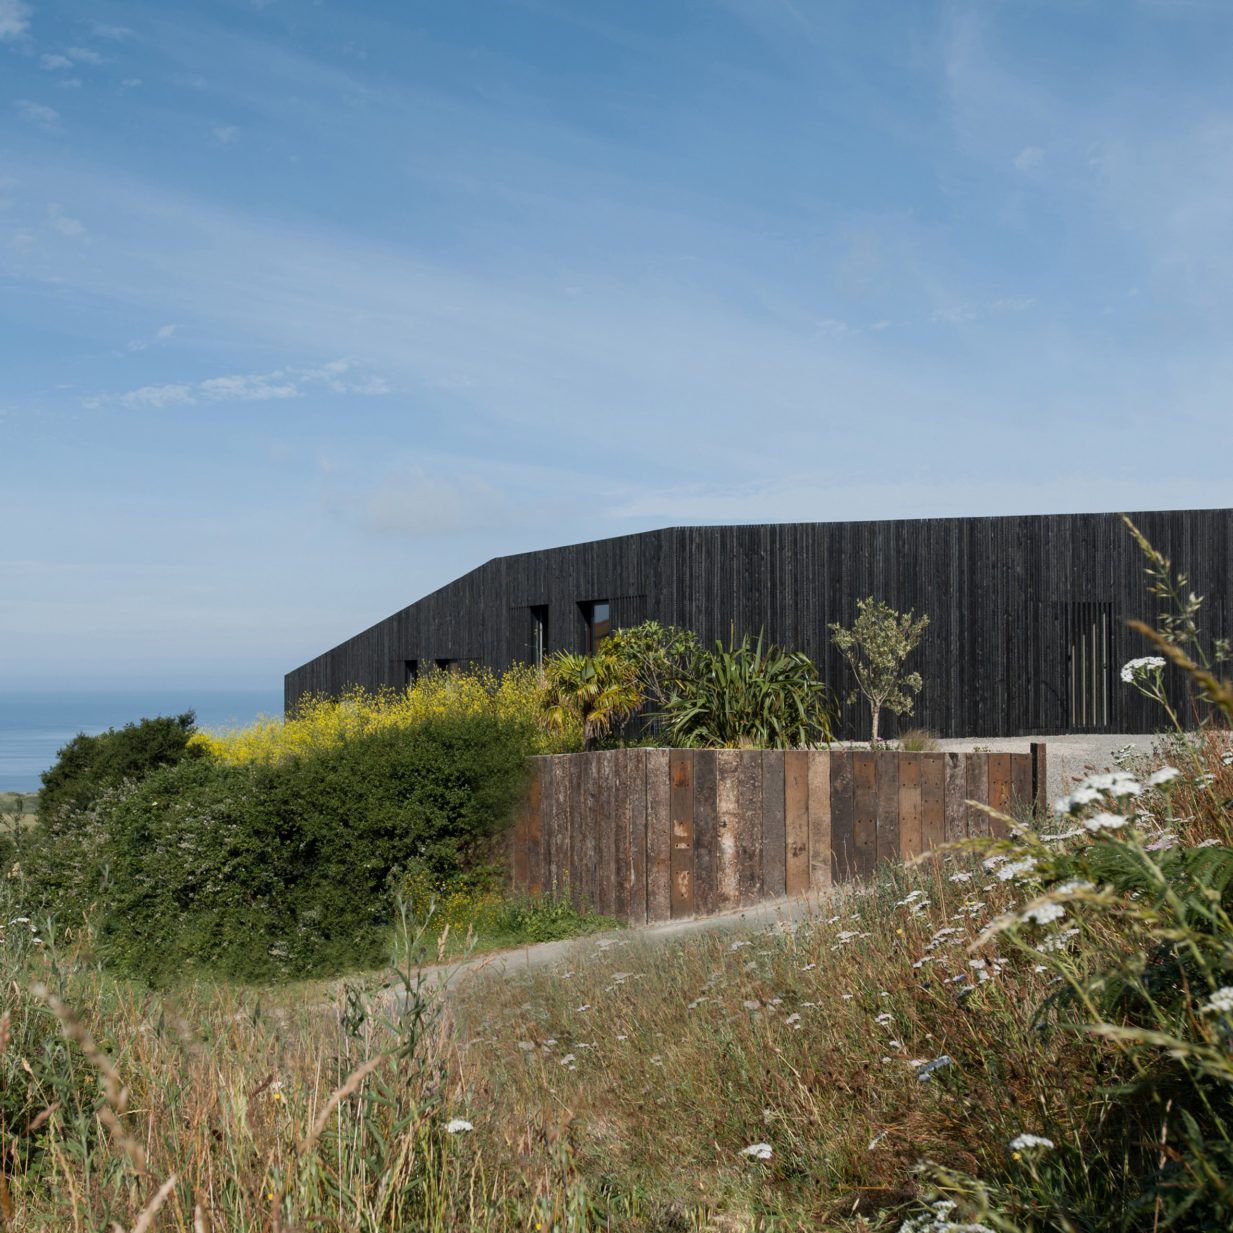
876,647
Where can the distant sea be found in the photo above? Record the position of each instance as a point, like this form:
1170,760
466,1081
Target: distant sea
34,726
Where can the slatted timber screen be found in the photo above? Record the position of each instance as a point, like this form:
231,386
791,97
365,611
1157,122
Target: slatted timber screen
657,834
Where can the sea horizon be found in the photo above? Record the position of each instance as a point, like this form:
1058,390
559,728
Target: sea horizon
35,724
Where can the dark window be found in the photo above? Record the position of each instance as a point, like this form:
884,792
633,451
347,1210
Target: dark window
445,665
539,634
598,617
1089,663
410,671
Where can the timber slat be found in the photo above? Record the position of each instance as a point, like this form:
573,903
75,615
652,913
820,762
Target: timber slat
534,838
621,805
796,820
727,823
774,835
978,790
999,789
705,826
932,801
658,836
843,838
821,869
911,839
956,792
865,811
636,765
887,771
749,826
681,804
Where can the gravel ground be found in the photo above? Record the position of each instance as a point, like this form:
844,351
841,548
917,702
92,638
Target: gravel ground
1070,757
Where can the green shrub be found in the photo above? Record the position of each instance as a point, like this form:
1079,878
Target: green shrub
263,872
89,766
745,696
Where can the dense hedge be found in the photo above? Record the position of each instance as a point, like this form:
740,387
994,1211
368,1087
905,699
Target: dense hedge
261,872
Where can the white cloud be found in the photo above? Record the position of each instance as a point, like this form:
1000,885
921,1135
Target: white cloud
225,134
69,83
53,62
67,226
166,331
281,384
131,83
14,19
1029,158
37,113
83,55
117,34
142,344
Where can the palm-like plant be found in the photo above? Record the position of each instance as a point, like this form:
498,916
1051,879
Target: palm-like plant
745,696
596,692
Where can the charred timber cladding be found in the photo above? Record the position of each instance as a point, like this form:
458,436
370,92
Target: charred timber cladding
1026,614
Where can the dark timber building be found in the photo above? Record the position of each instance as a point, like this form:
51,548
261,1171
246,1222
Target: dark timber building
1025,613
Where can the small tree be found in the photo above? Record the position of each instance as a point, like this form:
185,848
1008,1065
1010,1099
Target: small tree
593,692
876,647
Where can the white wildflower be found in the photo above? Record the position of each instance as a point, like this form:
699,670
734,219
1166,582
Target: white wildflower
458,1126
960,877
1135,669
758,1151
1023,1142
1104,822
1221,1002
1043,913
926,1072
1165,775
1016,869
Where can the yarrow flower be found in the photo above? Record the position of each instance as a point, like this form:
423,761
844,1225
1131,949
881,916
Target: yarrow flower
1221,1002
1043,913
926,1072
1136,669
457,1126
1024,1142
1104,822
1016,869
1165,775
758,1151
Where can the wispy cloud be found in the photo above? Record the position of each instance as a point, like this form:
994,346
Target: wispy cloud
64,224
142,344
56,61
14,19
84,55
38,113
335,377
1029,158
225,134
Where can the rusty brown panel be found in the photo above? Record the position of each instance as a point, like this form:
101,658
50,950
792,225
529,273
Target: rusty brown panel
1040,776
577,828
796,820
932,800
749,826
534,833
620,833
910,837
978,790
999,789
545,766
1020,784
774,837
589,868
727,826
560,824
843,838
681,803
820,853
658,836
887,773
636,783
605,832
521,870
705,825
865,810
956,792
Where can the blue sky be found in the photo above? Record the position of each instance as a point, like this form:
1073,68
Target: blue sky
307,308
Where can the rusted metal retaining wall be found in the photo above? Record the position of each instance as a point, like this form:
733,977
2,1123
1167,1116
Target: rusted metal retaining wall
654,834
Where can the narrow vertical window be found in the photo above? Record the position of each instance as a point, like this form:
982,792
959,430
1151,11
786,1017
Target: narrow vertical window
410,671
539,634
597,614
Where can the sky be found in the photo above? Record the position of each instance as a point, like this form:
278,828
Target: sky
307,308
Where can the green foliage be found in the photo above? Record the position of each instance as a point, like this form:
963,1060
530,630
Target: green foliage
746,696
595,692
90,766
875,648
662,657
262,872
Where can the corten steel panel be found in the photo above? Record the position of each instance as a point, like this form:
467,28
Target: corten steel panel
774,835
705,826
681,770
996,590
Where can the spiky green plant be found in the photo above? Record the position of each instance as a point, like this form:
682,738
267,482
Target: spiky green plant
750,696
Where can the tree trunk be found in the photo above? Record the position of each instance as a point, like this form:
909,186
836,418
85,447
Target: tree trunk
873,740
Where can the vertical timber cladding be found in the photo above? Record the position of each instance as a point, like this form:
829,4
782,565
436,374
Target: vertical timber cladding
998,592
658,834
